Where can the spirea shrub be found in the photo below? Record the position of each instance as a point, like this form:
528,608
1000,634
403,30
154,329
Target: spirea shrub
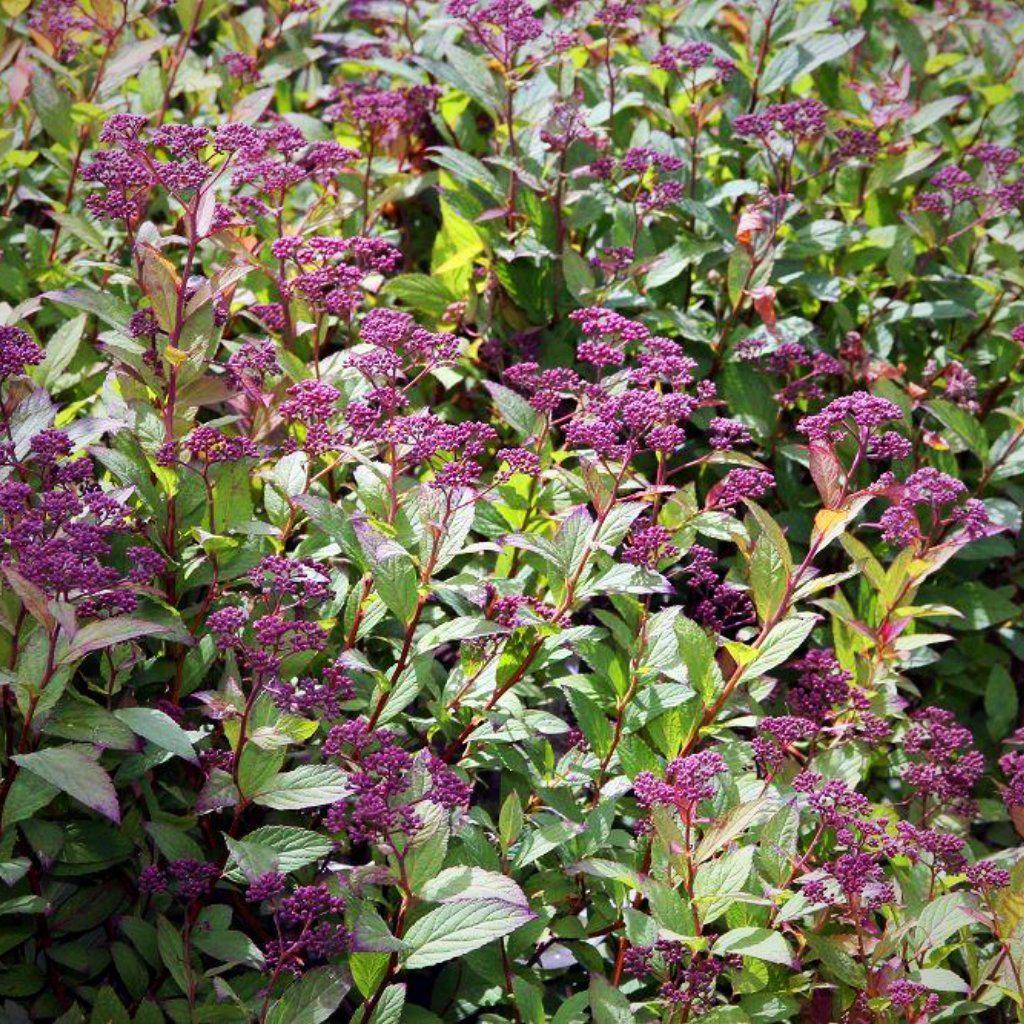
509,511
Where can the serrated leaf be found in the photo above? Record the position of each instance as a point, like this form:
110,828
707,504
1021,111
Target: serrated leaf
97,636
309,785
718,882
394,574
172,952
290,846
607,1004
312,999
780,643
455,929
804,55
75,771
455,885
760,943
160,729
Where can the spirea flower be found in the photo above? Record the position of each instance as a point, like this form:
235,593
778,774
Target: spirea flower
688,780
648,544
17,351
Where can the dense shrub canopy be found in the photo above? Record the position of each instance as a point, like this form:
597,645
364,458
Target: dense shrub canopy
511,512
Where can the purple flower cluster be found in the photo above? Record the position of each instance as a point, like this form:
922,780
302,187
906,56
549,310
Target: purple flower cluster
17,352
648,544
854,879
58,530
807,371
512,610
715,604
210,446
250,365
189,879
322,697
739,484
501,27
641,175
61,25
266,162
796,120
822,686
776,738
945,765
688,780
688,979
382,807
691,57
1012,765
925,505
854,415
308,935
331,271
380,116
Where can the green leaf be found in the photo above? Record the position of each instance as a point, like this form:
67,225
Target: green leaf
768,577
738,274
670,908
60,350
249,860
697,650
778,842
733,824
780,643
515,410
421,292
370,933
961,424
28,794
368,970
671,262
290,846
128,62
309,785
760,943
76,771
107,307
803,56
1001,702
456,885
943,916
591,720
458,928
27,904
466,168
159,728
97,636
52,106
389,1009
718,882
172,952
312,999
228,946
83,721
108,1009
394,574
607,1004
837,962
510,819
464,627
468,73
335,523
456,246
